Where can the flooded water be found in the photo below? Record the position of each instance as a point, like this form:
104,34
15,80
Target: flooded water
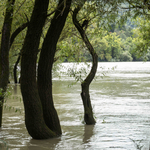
121,104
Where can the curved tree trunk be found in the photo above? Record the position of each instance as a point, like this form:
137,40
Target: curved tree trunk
88,112
4,52
34,120
45,65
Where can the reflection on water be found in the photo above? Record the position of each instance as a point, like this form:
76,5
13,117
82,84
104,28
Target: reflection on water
88,133
43,144
121,103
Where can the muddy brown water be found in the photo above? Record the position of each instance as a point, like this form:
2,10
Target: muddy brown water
121,104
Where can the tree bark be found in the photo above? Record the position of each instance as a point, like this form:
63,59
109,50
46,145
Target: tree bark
45,65
88,111
4,52
34,120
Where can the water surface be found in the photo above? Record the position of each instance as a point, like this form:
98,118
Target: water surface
121,104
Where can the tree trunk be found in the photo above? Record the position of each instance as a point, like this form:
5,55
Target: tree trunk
45,65
15,69
34,120
88,111
4,52
113,52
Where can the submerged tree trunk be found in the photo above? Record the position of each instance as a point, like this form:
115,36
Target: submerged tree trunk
34,120
4,52
45,65
88,111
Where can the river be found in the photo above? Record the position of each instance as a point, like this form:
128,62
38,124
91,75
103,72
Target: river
121,104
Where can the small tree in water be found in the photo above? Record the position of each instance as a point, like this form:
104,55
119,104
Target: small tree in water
4,52
88,112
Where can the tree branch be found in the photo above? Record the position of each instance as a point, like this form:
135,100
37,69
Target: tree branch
58,8
17,31
20,6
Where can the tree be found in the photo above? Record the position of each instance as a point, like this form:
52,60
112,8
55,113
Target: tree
142,36
108,46
46,63
4,52
139,10
88,112
40,116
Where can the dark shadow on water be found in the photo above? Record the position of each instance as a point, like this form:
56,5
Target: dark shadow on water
88,133
49,144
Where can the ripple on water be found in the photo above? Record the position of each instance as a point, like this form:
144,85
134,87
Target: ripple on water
121,105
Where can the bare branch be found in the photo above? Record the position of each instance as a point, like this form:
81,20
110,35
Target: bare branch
20,6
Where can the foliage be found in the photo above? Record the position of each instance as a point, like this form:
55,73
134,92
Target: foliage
103,16
109,47
126,56
142,36
78,73
7,95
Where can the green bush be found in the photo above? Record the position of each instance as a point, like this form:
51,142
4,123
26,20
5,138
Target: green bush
126,56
